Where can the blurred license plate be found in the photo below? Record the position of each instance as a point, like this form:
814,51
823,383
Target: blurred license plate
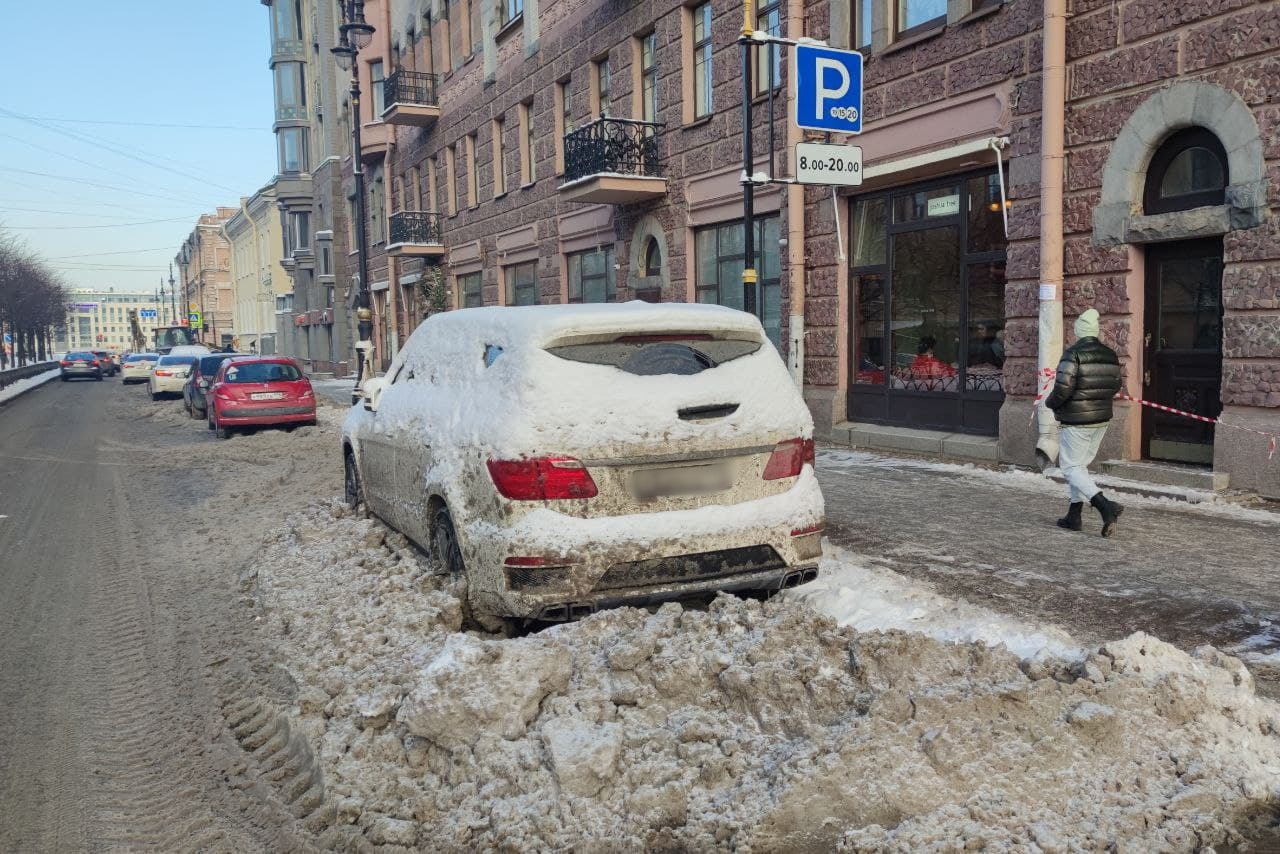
681,480
267,395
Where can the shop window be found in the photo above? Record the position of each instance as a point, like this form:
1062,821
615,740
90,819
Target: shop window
469,289
918,16
720,258
927,305
522,283
1188,171
591,275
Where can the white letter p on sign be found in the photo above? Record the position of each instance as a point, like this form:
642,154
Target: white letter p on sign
822,64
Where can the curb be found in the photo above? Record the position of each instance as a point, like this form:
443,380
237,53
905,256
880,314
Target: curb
4,401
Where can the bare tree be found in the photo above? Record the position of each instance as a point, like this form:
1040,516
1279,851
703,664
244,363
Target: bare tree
33,303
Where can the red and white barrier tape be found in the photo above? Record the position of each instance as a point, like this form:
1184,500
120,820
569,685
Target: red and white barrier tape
1047,376
1271,437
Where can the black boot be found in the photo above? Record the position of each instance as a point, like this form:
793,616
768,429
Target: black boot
1071,521
1109,511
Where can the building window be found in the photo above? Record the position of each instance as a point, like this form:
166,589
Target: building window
527,173
432,203
591,275
451,180
469,290
1188,171
522,283
413,198
499,161
378,96
915,16
469,149
291,86
377,206
702,60
300,230
720,255
293,150
927,285
649,77
602,80
768,59
511,9
863,24
563,122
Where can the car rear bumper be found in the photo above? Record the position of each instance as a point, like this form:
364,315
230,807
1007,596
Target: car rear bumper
645,558
81,372
242,415
167,385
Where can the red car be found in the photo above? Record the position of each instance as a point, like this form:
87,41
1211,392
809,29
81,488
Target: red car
259,391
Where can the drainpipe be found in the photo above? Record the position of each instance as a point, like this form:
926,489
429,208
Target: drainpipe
1052,118
795,225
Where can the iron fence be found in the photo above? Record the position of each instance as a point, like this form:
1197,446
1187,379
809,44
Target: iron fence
416,227
410,87
609,145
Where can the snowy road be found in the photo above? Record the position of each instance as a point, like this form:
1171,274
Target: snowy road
1191,574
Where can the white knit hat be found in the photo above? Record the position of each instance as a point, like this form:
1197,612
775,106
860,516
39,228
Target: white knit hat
1087,324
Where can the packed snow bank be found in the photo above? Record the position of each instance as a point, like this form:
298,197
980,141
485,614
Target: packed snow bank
14,389
878,599
745,726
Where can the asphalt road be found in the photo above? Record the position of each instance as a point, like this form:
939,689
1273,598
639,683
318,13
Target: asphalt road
112,627
1189,574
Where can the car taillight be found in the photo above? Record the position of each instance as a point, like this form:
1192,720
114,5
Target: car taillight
542,479
161,373
788,459
65,362
307,392
94,362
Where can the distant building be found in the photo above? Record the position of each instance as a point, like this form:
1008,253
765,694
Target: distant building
260,285
205,287
99,319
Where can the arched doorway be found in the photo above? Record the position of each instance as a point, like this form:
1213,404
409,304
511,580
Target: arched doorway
1182,339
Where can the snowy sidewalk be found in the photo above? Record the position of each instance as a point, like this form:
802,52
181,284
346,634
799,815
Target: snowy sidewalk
12,390
1189,573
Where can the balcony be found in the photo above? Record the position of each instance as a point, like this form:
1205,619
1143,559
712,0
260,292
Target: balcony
612,161
410,97
415,234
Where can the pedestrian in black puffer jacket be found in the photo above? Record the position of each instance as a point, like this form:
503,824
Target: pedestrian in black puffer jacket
1087,381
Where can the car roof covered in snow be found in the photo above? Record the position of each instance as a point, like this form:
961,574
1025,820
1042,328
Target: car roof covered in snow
541,324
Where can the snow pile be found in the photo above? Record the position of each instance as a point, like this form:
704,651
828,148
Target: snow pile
745,726
17,387
877,599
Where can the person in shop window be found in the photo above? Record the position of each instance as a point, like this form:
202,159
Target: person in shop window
988,349
1088,379
927,366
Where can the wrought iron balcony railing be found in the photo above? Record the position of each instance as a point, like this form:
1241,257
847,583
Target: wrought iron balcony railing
410,87
612,146
420,228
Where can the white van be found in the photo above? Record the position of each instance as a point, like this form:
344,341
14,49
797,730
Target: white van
570,458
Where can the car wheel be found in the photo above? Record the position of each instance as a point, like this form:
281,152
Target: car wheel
223,432
64,378
208,419
155,396
352,491
444,543
98,378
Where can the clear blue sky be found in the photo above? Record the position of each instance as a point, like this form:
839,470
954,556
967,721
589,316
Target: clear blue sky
118,69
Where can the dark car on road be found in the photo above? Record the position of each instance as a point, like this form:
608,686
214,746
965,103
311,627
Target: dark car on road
259,391
198,382
82,364
108,364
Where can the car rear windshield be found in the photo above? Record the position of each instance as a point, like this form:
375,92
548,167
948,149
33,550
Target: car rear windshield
141,357
659,353
263,372
209,364
176,360
85,356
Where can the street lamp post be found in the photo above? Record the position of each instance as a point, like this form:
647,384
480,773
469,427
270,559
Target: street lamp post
356,34
173,309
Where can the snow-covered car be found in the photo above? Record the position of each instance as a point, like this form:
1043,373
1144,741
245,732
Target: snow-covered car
571,458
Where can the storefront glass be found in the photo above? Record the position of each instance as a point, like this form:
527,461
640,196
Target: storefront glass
928,279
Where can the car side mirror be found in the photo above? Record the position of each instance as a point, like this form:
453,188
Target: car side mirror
371,390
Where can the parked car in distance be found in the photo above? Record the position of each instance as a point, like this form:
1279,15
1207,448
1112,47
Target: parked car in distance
169,375
565,459
259,391
137,367
109,367
80,364
189,350
197,385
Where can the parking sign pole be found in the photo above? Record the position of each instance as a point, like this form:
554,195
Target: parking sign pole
748,166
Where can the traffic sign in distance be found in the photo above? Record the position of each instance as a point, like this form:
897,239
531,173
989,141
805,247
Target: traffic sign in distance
820,163
195,320
828,89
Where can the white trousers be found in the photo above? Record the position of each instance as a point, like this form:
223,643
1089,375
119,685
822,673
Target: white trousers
1077,448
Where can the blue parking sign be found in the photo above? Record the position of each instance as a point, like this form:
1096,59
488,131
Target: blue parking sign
828,89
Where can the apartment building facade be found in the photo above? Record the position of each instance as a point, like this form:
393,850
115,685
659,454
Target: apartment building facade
204,261
578,151
259,281
311,318
99,319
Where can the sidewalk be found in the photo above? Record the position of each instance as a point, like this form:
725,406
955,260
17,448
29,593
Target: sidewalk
1188,573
